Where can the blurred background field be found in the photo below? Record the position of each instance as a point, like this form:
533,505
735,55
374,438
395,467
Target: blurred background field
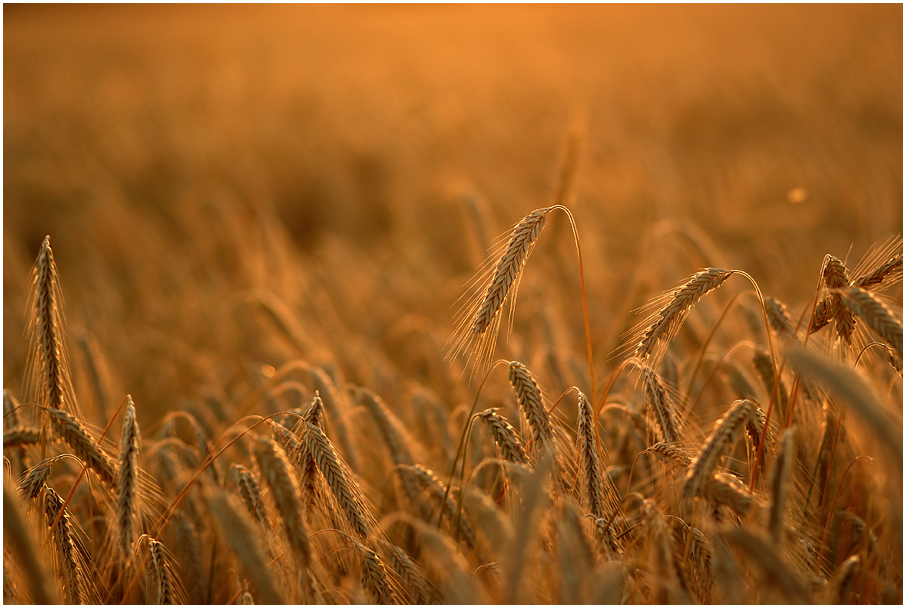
183,158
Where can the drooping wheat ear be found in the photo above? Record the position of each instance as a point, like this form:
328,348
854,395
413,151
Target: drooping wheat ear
505,437
755,425
32,481
479,323
331,399
249,491
129,488
837,591
778,317
66,547
21,436
529,398
778,483
161,573
887,273
659,406
723,435
858,529
700,554
304,464
314,414
277,472
593,483
670,455
762,361
389,426
410,572
663,325
241,535
726,490
875,315
510,266
773,566
897,362
84,446
821,316
340,480
374,577
428,481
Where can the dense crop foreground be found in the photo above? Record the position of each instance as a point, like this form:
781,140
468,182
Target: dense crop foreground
268,338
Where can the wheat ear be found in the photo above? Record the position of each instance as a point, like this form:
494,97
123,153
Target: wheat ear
661,555
48,302
723,435
664,324
427,480
84,446
658,403
242,537
889,272
161,573
129,472
778,484
836,592
374,576
249,491
409,571
330,396
21,436
700,554
875,314
529,398
778,317
66,548
340,480
593,482
505,437
32,481
835,275
276,469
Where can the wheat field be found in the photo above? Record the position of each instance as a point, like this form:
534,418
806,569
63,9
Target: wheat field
453,304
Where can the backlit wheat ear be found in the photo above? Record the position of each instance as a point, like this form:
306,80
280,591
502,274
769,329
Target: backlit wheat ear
84,446
837,591
161,572
249,491
660,407
663,325
505,437
33,480
374,577
890,271
411,574
875,315
723,435
529,397
778,317
340,480
593,482
46,328
66,548
480,320
277,472
835,276
129,488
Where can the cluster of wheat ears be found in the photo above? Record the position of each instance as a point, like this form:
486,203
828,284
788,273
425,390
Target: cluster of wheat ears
788,491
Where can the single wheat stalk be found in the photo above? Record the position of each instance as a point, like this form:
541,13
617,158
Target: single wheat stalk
875,314
505,437
249,491
161,574
374,577
32,482
510,267
330,396
660,406
277,472
778,484
479,319
725,489
723,435
670,455
340,480
128,499
663,325
84,446
48,302
593,483
67,551
529,398
835,275
186,546
241,535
